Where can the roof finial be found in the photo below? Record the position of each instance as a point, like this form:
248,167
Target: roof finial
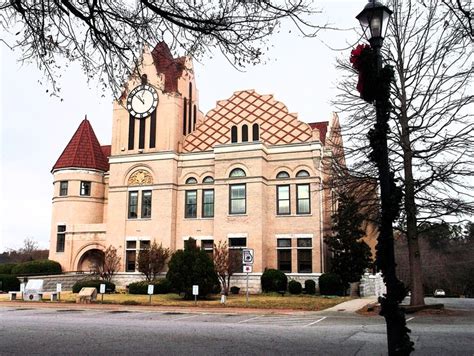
85,117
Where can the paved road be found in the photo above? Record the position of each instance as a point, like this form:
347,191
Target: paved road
26,330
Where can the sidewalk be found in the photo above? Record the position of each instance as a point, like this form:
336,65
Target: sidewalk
350,306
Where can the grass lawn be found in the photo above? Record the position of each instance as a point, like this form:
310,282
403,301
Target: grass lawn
261,301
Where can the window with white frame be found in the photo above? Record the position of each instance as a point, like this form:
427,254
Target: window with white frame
303,199
190,204
237,199
283,200
132,250
85,188
61,238
63,185
207,203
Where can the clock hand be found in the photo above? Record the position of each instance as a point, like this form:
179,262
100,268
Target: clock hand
141,99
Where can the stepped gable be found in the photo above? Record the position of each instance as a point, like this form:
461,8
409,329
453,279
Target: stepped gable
322,127
84,151
277,126
165,64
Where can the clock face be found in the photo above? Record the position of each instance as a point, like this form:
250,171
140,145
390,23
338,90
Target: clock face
141,101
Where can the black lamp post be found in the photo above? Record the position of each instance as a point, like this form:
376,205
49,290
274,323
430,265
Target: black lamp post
374,20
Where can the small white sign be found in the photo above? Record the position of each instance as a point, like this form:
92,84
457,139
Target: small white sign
22,287
151,288
247,256
247,268
102,288
195,289
58,288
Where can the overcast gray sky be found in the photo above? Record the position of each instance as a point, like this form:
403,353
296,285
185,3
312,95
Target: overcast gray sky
35,127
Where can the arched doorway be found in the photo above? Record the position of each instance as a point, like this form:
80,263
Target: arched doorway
89,259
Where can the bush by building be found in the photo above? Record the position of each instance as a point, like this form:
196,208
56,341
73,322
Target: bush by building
93,283
38,267
310,286
189,267
9,283
294,287
331,284
273,280
162,286
6,268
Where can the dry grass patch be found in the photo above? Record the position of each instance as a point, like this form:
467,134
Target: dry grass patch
260,301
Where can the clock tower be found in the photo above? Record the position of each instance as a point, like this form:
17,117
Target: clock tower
158,108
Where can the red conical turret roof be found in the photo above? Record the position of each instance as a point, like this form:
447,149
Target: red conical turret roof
83,151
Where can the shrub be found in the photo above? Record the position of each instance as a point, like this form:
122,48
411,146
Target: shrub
234,290
6,268
162,286
273,281
109,286
37,267
189,267
331,284
310,286
294,287
9,283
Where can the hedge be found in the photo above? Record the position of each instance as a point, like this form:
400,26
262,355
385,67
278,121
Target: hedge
95,283
273,281
162,286
6,268
310,286
38,267
294,287
331,284
9,283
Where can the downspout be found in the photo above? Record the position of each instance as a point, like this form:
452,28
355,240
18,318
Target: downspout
321,215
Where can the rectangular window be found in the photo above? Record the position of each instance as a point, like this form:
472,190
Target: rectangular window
190,210
63,188
305,252
144,244
131,256
132,205
236,244
283,200
146,204
237,199
61,238
208,247
284,255
208,203
303,201
85,188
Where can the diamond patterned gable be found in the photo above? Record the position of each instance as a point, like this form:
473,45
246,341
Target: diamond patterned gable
277,126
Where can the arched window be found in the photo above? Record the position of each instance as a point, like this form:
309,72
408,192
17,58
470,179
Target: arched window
302,173
191,180
283,175
208,180
245,133
233,134
237,172
255,133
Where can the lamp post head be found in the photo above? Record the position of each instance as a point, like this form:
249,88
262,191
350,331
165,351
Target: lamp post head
374,20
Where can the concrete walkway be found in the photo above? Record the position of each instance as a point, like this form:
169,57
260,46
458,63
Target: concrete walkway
351,306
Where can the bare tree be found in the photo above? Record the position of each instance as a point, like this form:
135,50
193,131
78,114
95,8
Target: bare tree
225,264
107,36
431,128
463,16
152,260
107,267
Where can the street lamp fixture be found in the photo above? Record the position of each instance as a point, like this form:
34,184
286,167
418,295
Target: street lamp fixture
374,20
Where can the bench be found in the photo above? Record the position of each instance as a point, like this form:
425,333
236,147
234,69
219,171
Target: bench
13,295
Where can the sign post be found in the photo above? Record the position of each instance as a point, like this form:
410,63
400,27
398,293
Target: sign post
102,292
247,260
59,289
195,293
151,289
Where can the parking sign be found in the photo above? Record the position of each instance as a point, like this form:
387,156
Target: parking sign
247,256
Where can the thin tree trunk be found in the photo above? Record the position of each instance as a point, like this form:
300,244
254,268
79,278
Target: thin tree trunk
414,256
